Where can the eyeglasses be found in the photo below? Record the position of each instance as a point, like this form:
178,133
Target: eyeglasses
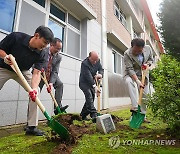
57,49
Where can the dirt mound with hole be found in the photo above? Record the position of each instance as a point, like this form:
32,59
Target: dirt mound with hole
76,128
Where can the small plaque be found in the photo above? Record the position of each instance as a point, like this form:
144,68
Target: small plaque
105,124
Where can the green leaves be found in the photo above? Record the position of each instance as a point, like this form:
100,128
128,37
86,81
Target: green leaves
165,101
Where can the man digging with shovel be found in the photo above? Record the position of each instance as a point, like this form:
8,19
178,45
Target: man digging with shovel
136,57
88,74
28,51
51,66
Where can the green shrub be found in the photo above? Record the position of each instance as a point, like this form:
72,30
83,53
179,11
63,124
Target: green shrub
165,101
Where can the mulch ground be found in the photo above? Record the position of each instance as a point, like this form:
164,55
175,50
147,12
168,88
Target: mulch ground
75,132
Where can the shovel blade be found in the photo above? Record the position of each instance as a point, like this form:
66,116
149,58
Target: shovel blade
136,119
99,114
59,110
58,128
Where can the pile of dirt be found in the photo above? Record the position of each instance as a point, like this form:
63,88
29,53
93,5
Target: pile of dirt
116,119
76,131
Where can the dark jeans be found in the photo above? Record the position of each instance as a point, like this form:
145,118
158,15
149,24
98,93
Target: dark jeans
88,107
58,86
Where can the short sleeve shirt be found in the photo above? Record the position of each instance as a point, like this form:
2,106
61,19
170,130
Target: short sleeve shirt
17,44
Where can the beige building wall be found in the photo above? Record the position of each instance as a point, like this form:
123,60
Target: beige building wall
96,6
113,24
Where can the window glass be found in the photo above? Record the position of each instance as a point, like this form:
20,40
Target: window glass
40,2
30,18
57,29
74,22
7,13
73,43
118,63
120,14
57,12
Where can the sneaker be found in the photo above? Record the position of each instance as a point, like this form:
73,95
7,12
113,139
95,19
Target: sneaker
134,109
64,108
32,130
85,118
146,121
55,112
94,119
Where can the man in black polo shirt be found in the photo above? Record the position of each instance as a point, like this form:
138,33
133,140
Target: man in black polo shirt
27,51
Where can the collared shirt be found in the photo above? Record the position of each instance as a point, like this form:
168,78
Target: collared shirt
17,44
140,58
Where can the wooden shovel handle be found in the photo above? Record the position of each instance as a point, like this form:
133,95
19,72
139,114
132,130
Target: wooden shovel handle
47,85
16,69
98,97
144,73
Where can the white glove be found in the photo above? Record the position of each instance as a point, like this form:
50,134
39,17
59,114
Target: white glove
139,83
98,76
96,89
7,60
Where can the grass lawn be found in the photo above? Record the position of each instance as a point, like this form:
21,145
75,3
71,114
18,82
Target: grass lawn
150,138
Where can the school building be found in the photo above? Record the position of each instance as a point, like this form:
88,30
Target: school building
105,26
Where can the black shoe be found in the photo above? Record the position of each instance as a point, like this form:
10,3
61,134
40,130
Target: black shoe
64,108
146,121
55,112
94,119
32,130
134,110
85,118
25,128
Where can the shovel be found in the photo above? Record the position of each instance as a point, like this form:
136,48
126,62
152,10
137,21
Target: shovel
52,123
137,118
98,98
43,77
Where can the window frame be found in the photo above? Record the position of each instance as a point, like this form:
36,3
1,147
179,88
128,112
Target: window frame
114,53
48,17
121,15
14,20
66,26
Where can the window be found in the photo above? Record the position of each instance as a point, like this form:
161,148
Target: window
73,37
7,14
74,22
57,12
57,29
68,30
73,43
119,14
40,2
117,62
28,15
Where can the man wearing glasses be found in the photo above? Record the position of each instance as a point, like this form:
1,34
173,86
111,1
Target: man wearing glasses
51,67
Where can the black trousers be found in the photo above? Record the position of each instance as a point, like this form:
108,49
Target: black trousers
58,86
88,107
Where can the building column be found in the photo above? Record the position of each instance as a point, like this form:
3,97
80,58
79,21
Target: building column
105,92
